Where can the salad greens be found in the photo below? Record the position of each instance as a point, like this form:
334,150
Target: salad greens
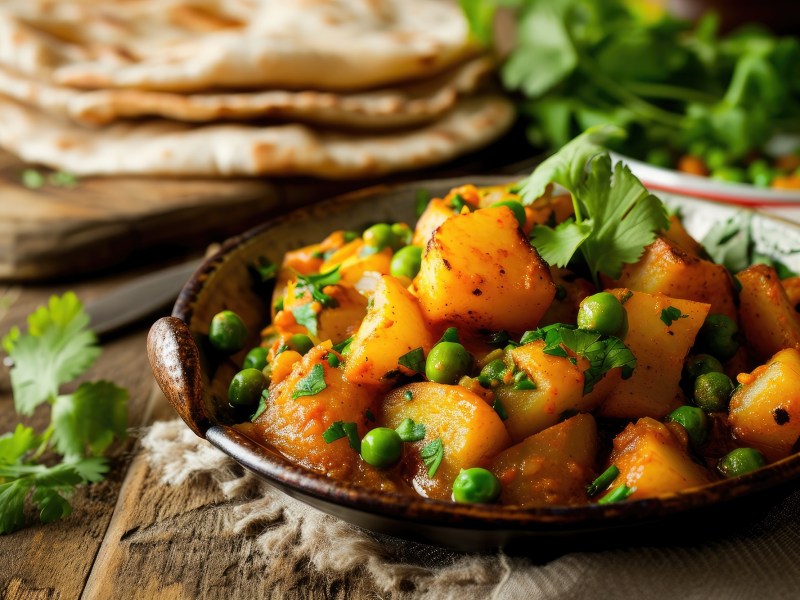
57,348
676,87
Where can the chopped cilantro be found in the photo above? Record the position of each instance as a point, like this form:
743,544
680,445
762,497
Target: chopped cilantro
341,429
262,405
313,284
408,395
413,360
410,431
343,347
312,384
333,360
450,335
306,316
263,269
671,314
432,455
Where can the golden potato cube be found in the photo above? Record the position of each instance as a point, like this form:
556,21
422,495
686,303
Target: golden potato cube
551,467
294,424
665,268
559,391
769,320
394,325
652,460
764,412
660,349
469,429
479,271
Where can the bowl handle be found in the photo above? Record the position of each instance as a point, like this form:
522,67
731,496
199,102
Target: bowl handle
175,361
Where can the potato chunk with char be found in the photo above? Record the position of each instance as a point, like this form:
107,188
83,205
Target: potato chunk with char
665,268
559,390
660,349
652,460
764,411
294,423
394,325
551,467
479,271
769,320
470,431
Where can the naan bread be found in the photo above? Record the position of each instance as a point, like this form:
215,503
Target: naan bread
191,45
400,106
161,147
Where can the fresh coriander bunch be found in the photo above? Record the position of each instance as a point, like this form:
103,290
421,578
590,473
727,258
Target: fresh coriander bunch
680,89
57,348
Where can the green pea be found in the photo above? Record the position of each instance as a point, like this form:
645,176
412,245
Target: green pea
693,420
731,174
712,391
406,262
381,447
717,158
700,364
760,173
740,461
402,235
301,343
493,372
246,388
227,332
379,236
256,358
718,336
447,362
516,208
603,313
659,157
476,485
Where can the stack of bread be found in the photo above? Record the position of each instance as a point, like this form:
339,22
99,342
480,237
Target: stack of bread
329,88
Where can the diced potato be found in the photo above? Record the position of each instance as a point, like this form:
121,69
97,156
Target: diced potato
764,411
336,322
294,425
394,325
551,467
660,349
564,309
471,432
652,460
678,235
792,287
667,269
559,391
352,265
436,213
769,320
547,210
479,271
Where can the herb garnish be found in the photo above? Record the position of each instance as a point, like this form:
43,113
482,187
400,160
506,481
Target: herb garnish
605,479
617,495
450,335
312,384
341,429
57,348
671,314
413,360
615,215
432,455
343,347
264,269
410,431
262,405
305,315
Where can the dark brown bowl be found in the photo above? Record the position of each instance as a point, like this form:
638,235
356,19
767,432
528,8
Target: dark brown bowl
194,379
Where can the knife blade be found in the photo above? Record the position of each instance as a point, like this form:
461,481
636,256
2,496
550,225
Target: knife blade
138,298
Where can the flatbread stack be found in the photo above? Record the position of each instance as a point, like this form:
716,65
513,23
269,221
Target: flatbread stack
329,88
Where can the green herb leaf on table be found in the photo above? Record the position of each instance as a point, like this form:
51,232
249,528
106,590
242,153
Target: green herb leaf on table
413,360
312,384
341,429
410,431
671,314
432,455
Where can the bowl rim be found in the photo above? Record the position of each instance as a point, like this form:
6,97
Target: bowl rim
280,471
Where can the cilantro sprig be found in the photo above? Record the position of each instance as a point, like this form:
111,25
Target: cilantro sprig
56,348
615,215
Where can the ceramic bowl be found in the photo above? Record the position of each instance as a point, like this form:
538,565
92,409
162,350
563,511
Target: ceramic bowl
194,379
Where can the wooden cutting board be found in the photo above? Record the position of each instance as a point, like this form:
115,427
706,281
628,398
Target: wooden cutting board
57,230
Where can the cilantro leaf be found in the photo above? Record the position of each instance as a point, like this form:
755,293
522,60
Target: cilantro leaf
262,405
264,269
87,421
432,455
341,429
343,347
306,316
12,504
567,166
410,431
57,348
557,246
314,284
413,360
671,314
13,446
450,335
312,384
